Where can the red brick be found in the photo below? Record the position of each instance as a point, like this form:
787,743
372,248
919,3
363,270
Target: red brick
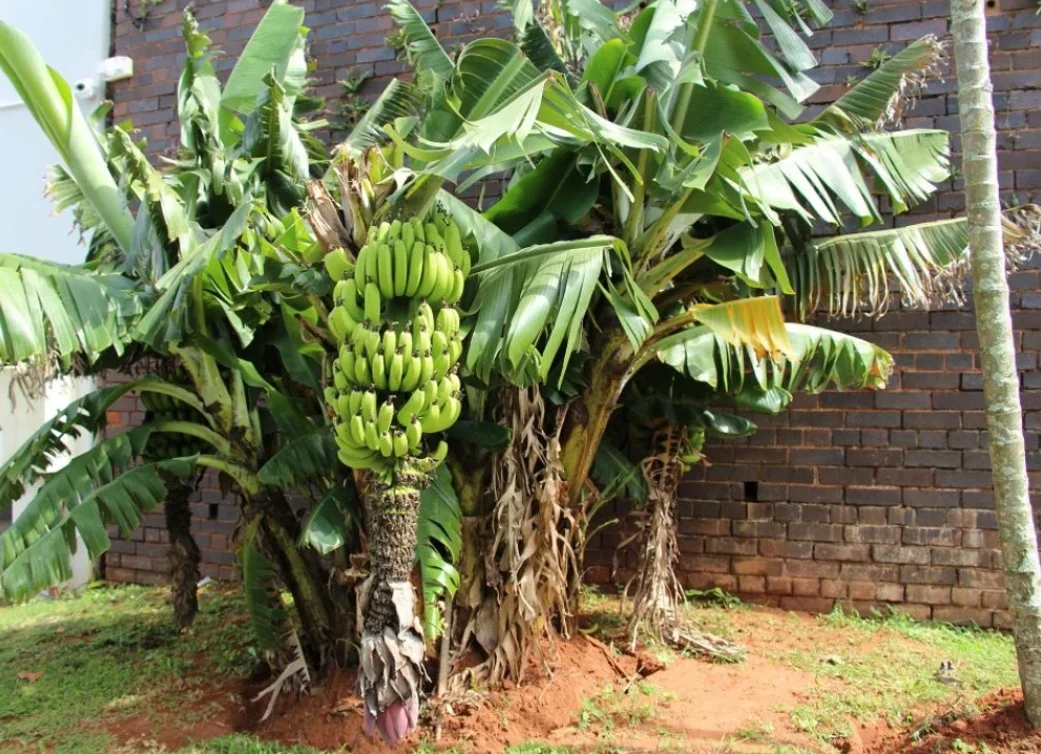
842,552
806,587
932,595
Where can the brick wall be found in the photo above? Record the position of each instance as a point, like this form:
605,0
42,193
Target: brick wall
861,497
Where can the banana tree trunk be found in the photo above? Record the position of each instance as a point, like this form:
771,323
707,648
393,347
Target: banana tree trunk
183,556
325,609
588,417
392,646
997,349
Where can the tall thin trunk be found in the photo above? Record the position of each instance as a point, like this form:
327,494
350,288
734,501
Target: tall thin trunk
997,349
183,556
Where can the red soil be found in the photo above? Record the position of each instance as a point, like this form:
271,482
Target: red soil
1002,727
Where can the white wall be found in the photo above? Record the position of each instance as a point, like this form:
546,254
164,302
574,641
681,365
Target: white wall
73,37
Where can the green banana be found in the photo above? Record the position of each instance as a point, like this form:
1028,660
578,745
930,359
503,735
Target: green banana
405,342
340,379
368,406
400,443
458,286
378,368
415,268
433,236
408,234
337,264
385,416
386,445
342,405
350,300
437,294
426,367
395,229
346,360
373,303
438,343
417,229
429,394
383,232
424,311
431,419
444,389
411,408
430,272
400,267
385,264
361,371
390,341
341,325
372,438
453,244
356,396
372,344
395,371
362,267
413,372
372,264
413,434
358,429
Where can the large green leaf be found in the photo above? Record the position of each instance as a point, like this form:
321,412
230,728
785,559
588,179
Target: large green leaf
49,99
277,45
439,542
95,489
57,312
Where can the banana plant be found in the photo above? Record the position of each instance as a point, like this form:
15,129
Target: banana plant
172,256
661,195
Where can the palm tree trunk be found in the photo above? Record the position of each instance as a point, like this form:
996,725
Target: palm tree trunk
183,556
997,349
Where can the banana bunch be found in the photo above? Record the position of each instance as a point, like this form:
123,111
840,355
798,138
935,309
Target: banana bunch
162,408
395,377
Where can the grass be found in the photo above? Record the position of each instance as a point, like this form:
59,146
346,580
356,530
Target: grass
886,667
112,654
108,653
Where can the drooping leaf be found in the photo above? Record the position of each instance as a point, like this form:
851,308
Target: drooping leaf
96,488
56,312
439,541
887,91
308,456
260,590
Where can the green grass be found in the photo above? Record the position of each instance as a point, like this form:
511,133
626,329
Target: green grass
239,744
105,654
890,670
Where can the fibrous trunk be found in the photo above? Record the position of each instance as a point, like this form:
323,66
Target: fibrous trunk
392,645
183,555
657,589
658,593
997,347
530,565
